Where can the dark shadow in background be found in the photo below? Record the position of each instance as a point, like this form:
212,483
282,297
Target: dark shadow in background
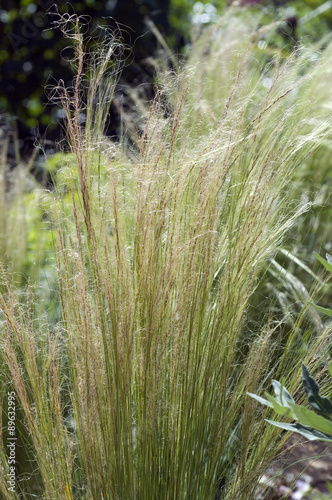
30,57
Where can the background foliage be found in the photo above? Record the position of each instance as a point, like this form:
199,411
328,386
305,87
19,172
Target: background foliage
31,51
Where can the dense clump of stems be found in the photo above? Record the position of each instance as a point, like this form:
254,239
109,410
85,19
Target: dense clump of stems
140,391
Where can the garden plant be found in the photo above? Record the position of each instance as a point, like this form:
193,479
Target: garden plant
138,390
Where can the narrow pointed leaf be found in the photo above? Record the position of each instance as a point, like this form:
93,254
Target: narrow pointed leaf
307,432
260,400
326,264
323,310
309,383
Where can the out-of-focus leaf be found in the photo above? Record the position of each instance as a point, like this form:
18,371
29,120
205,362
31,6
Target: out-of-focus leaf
319,403
328,258
329,486
323,310
326,264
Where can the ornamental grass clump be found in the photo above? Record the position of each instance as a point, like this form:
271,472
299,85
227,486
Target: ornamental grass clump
139,392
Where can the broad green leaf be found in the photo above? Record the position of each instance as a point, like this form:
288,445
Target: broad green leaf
323,310
326,264
260,400
321,404
307,432
278,408
311,419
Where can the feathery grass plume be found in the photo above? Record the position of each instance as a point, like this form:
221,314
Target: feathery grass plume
157,259
241,79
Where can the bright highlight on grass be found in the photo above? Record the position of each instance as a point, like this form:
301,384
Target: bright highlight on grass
139,392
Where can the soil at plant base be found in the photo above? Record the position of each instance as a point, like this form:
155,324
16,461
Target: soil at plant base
302,472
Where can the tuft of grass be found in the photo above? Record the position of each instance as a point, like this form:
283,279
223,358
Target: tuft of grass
140,390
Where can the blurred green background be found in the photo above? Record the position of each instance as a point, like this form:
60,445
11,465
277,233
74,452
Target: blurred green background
32,56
